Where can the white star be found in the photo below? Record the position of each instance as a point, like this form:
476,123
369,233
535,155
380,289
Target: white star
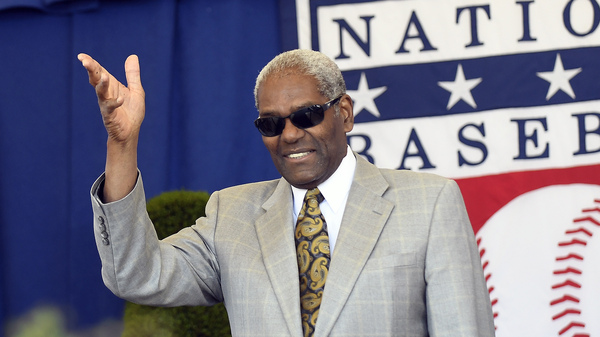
559,79
460,88
364,98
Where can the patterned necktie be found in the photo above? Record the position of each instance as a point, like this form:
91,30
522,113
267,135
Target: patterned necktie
312,249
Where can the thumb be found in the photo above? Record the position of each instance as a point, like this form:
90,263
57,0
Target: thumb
132,73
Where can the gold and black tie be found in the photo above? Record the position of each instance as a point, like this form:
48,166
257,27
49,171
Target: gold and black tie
312,249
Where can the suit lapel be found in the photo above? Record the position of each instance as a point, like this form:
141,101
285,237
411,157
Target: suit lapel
276,238
364,218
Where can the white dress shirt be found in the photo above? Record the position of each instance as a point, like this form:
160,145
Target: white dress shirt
335,190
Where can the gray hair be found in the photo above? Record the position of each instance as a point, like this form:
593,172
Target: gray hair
329,77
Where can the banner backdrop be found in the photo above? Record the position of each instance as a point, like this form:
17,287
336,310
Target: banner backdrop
199,60
502,96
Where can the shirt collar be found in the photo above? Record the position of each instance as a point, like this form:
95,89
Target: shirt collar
336,188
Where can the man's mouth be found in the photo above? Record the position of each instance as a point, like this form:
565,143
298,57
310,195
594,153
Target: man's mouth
298,155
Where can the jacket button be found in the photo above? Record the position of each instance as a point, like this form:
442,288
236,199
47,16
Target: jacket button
105,242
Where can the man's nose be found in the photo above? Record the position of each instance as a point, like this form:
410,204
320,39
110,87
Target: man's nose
291,133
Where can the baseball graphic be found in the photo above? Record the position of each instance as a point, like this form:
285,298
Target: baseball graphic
541,261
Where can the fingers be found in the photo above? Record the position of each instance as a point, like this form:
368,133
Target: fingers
109,97
99,78
111,93
93,68
108,89
103,87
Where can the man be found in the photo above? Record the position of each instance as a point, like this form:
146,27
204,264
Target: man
396,251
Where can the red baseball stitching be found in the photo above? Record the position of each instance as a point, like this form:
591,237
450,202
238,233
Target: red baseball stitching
571,258
484,265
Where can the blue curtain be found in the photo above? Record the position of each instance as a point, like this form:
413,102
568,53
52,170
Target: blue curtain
199,60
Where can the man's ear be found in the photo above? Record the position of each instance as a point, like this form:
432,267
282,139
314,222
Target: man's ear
347,112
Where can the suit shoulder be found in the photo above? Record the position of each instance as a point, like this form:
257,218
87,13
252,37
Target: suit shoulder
420,190
257,190
408,178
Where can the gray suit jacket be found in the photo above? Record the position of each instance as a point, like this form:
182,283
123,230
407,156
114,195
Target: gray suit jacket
405,262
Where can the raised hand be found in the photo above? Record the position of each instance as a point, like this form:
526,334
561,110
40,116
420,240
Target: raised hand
122,108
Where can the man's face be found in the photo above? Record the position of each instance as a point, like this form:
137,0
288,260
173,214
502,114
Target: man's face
304,157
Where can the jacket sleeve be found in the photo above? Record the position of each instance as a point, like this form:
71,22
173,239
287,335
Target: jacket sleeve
458,302
136,266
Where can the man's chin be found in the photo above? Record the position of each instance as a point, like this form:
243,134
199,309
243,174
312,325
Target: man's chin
302,182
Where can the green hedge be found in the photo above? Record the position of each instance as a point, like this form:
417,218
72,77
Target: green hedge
170,212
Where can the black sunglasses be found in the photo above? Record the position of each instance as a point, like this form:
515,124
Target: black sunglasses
302,119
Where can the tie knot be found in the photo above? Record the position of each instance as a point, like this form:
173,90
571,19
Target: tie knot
314,194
